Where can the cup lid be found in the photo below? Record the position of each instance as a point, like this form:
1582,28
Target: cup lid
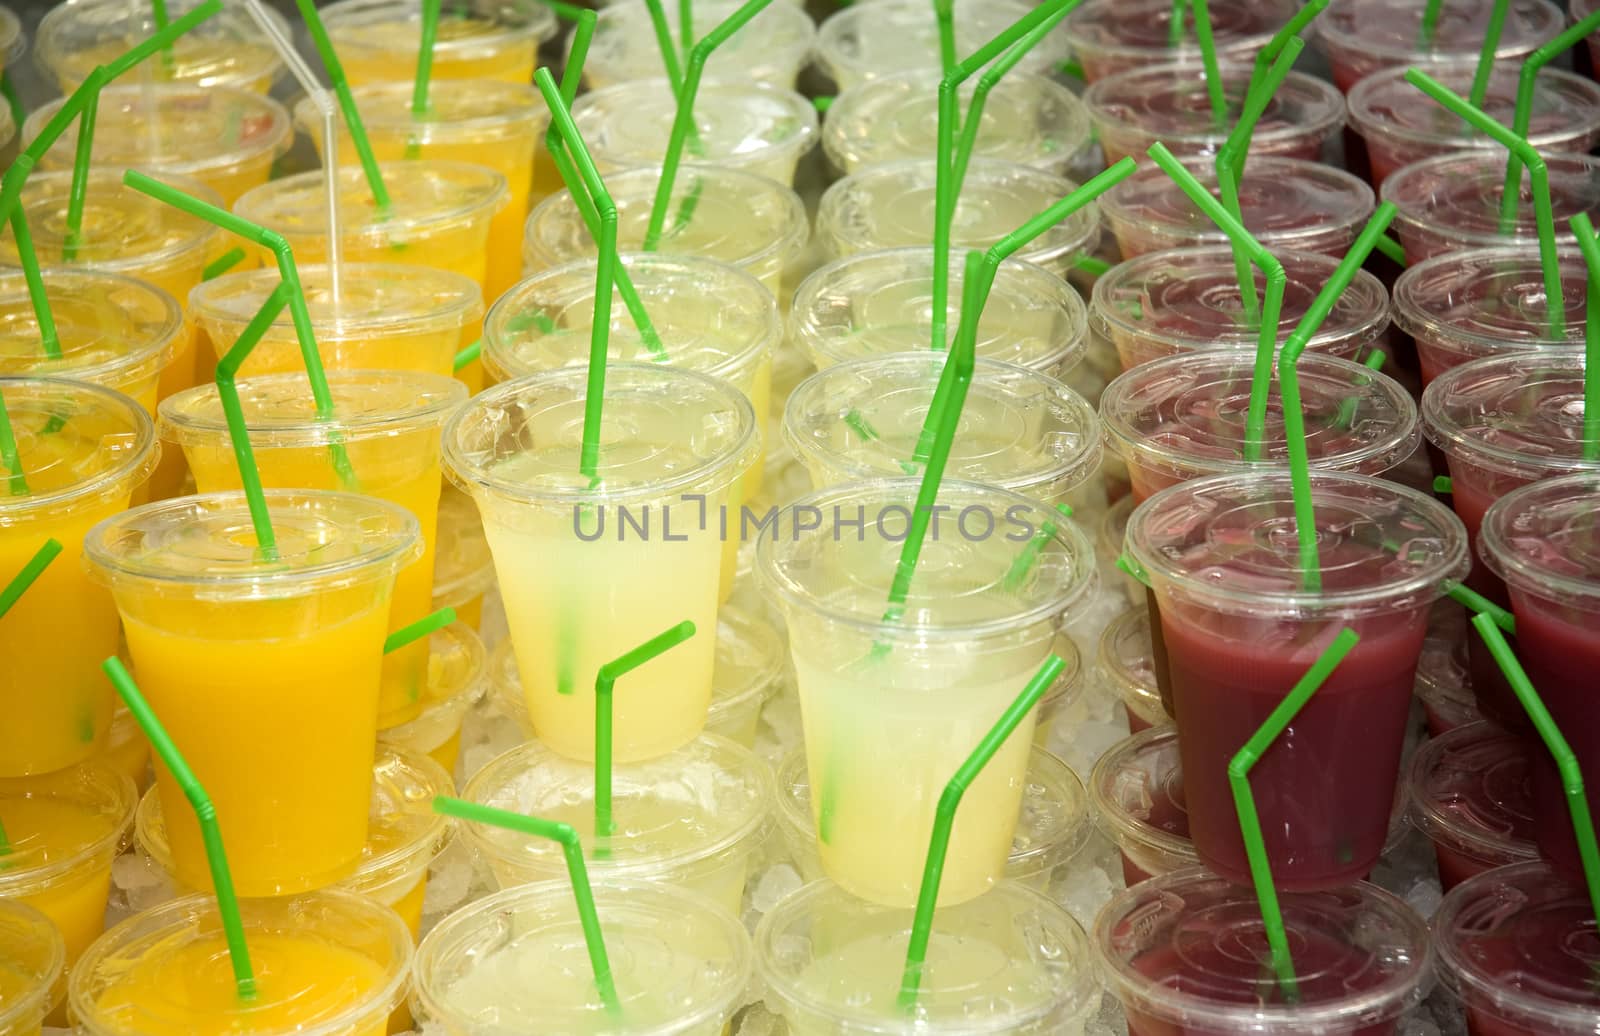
1126,662
767,49
11,41
463,568
227,49
396,25
1388,32
458,672
34,956
1545,537
426,196
112,329
1471,787
1520,414
54,822
372,298
1137,792
1489,300
75,441
126,231
1444,678
892,36
1456,197
1142,29
469,110
1565,108
739,123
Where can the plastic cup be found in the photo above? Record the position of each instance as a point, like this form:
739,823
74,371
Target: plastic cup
892,709
1111,36
742,219
1287,204
892,205
1183,417
388,423
127,751
1488,302
740,124
1188,301
385,317
1579,10
878,303
113,330
458,672
1363,36
1399,127
1240,628
1187,953
8,124
892,36
239,658
1516,949
1136,789
1029,118
56,702
227,49
225,137
463,569
1444,681
1126,667
1169,103
577,595
1010,961
1471,794
1109,534
771,49
1451,202
64,829
33,957
12,40
1504,423
516,961
338,963
748,670
378,40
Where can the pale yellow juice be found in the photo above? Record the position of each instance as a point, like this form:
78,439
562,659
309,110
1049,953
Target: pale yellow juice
378,40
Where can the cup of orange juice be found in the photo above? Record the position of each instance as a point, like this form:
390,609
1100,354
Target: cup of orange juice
378,40
457,676
32,956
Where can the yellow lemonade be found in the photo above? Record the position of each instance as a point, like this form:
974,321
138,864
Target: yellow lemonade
456,677
377,40
32,956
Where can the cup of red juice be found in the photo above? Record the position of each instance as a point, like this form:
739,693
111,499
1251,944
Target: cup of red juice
1444,679
1136,789
1471,794
1110,36
1363,36
1126,667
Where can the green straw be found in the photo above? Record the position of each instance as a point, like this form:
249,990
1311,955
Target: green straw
1392,249
465,357
428,624
222,264
685,27
1583,229
944,13
31,571
1491,43
944,819
9,455
1244,801
221,877
1175,24
1208,58
158,10
572,849
1527,82
233,414
347,105
1430,22
669,53
1480,605
1566,762
1544,217
1269,54
605,682
430,32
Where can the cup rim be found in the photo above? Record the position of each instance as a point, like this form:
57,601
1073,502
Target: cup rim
132,469
117,791
541,23
1515,567
43,998
155,353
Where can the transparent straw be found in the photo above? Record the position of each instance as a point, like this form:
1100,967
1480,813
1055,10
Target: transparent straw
1583,229
1527,81
605,682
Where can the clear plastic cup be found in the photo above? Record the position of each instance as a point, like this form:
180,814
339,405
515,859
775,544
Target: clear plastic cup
1188,301
1136,789
1126,667
12,39
1109,534
739,218
1444,680
577,596
441,215
1011,961
1488,302
463,569
1183,417
238,655
127,751
515,961
1029,118
1169,103
387,425
892,205
1516,949
8,124
1111,36
892,708
891,36
748,672
1541,539
226,137
458,673
1471,793
385,317
64,829
227,49
1363,36
771,49
378,40
56,702
1400,126
338,962
1240,627
1451,202
32,957
739,124
1187,953
1287,203
878,303
1578,10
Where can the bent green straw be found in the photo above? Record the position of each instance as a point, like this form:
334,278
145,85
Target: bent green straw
1267,55
1527,81
669,53
572,850
428,624
233,412
944,14
1584,231
1566,763
1538,175
1491,43
685,27
605,682
221,877
347,105
944,819
1244,801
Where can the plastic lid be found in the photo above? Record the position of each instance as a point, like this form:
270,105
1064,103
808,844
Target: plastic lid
769,49
1141,30
1228,544
325,540
373,299
105,443
1545,538
1019,429
544,322
113,330
462,565
1488,301
1444,679
1184,416
123,231
1029,118
878,303
738,124
8,125
892,206
396,26
426,195
227,49
515,962
11,40
1126,663
1471,788
1566,108
1521,414
889,36
58,823
1455,198
1387,33
470,111
458,673
1137,791
32,957
1288,203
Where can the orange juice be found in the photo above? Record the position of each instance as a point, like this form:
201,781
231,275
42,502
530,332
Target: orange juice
378,40
31,958
457,676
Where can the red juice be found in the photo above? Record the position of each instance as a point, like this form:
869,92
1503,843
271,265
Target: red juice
1471,793
1363,36
1111,36
1138,795
1127,664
